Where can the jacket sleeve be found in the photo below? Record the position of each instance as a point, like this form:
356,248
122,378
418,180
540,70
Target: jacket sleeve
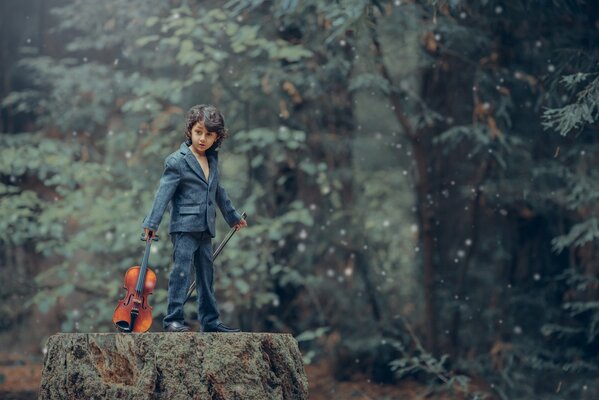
167,186
226,208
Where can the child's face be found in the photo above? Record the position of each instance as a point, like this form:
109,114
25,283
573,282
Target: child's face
201,139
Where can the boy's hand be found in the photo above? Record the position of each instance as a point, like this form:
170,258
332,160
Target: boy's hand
149,234
241,224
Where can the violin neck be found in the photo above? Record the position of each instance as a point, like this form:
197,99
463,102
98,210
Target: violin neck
144,267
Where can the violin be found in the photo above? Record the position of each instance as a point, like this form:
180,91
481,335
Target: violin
133,313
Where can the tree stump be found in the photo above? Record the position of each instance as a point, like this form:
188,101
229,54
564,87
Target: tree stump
188,365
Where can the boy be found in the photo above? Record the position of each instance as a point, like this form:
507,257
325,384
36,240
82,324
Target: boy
191,182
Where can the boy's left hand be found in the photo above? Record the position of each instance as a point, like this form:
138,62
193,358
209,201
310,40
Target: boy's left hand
241,224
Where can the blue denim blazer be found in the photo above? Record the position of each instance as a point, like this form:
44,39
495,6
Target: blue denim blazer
193,198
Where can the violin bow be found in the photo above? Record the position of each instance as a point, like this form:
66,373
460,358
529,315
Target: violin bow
216,253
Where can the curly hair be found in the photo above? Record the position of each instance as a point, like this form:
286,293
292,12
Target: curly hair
213,120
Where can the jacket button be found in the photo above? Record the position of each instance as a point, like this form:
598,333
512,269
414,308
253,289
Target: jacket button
209,202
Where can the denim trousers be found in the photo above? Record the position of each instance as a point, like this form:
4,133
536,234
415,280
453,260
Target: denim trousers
191,249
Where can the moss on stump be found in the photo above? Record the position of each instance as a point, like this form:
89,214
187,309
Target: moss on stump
186,365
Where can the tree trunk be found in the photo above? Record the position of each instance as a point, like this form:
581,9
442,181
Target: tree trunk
420,142
173,365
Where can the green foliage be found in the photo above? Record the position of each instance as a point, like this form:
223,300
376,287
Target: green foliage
583,111
580,234
481,142
370,81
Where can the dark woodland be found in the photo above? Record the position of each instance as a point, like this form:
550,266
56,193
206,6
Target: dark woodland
420,179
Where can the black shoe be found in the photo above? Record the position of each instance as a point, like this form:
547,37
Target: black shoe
221,328
177,327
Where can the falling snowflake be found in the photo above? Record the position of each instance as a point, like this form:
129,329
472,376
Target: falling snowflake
517,330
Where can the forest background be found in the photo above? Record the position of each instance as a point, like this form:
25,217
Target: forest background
419,176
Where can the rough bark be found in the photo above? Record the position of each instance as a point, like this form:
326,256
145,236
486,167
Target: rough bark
173,366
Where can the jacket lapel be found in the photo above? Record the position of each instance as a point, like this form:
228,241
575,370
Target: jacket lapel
194,164
191,160
213,163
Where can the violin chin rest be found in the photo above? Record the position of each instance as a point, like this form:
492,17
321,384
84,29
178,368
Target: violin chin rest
123,326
